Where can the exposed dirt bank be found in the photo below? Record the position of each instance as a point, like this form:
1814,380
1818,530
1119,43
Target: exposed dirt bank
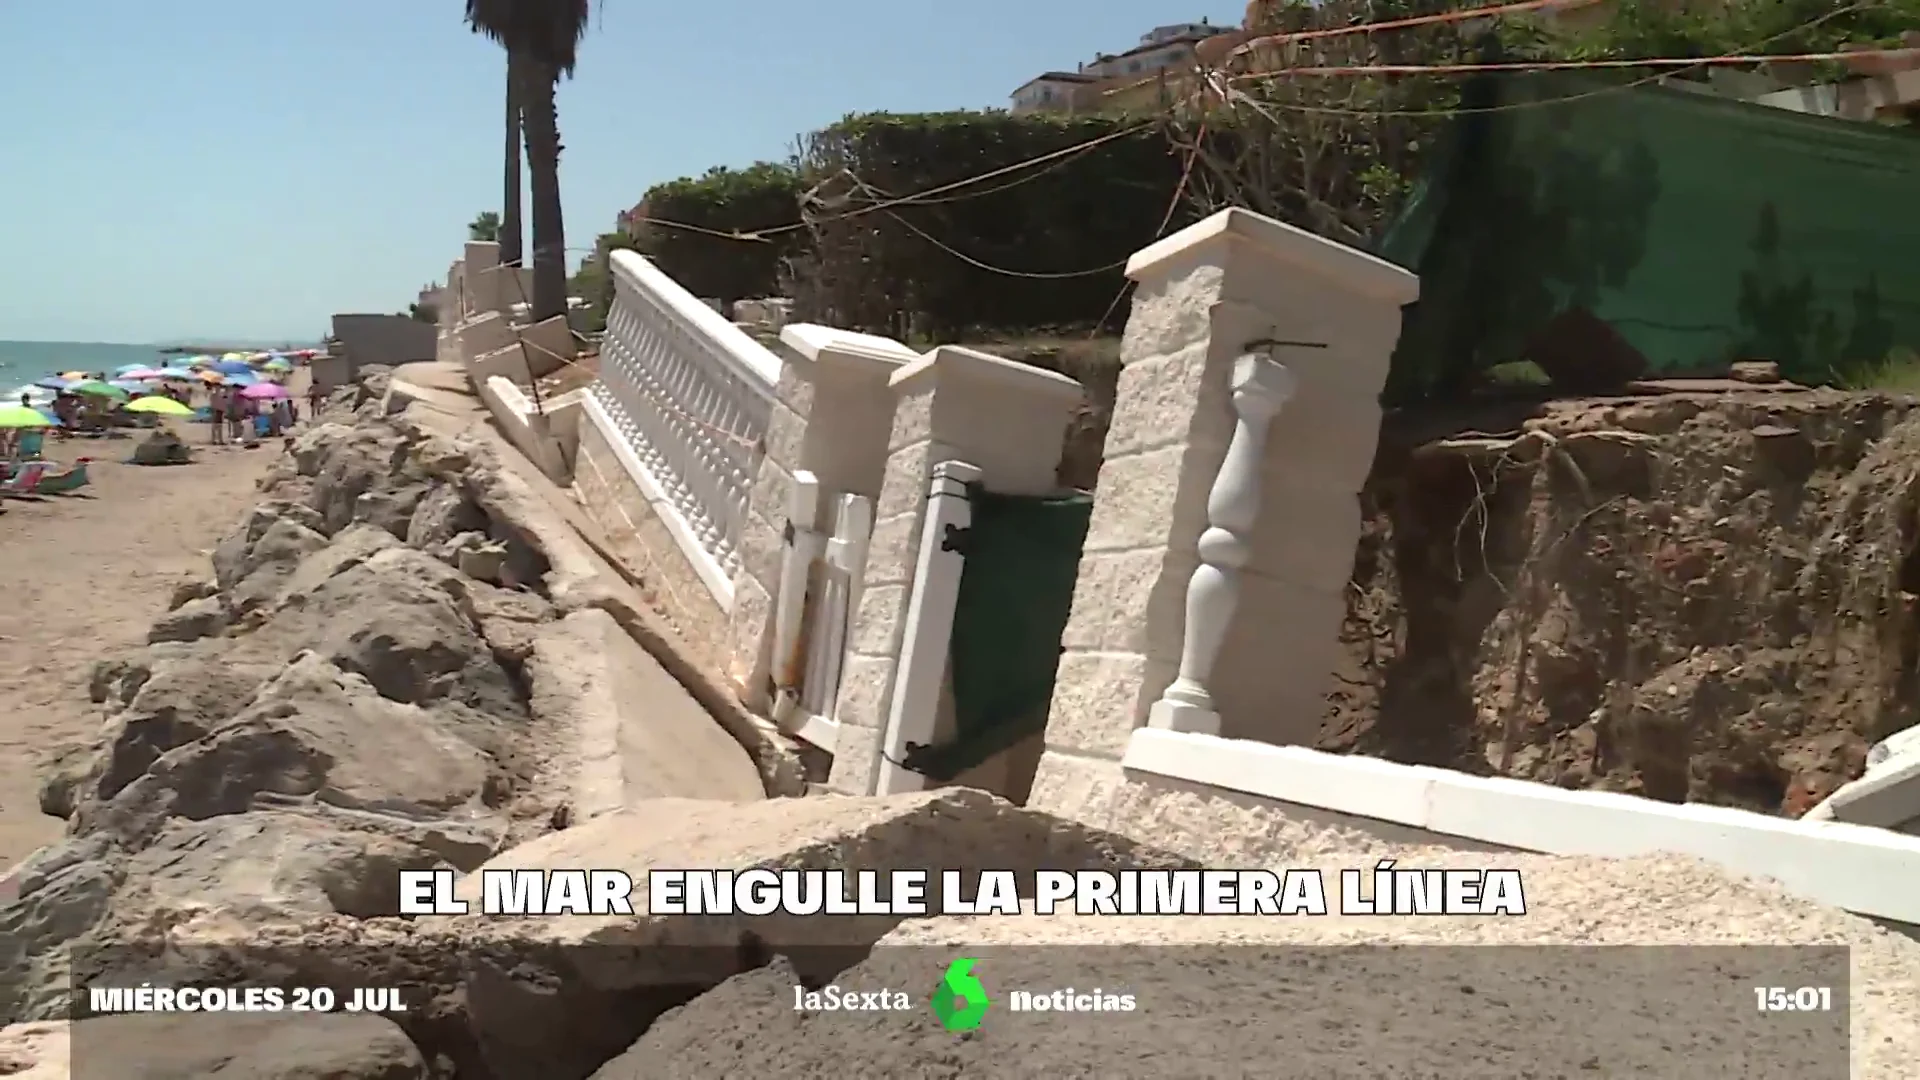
1694,595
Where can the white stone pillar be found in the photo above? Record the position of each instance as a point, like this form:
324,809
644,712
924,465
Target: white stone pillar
1009,421
913,712
1259,386
1212,591
831,418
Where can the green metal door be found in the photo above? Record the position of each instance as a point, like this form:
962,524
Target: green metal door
1022,557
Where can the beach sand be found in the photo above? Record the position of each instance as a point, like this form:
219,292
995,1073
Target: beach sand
81,577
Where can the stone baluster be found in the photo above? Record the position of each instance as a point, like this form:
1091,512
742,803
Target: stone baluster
1259,386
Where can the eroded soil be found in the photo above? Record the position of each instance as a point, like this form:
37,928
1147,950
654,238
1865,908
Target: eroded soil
1700,593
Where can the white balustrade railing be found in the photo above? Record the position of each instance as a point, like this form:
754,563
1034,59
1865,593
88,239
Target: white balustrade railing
831,605
820,576
1259,386
691,394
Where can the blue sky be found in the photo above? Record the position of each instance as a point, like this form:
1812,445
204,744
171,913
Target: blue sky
234,168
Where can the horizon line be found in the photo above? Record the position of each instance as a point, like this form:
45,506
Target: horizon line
160,343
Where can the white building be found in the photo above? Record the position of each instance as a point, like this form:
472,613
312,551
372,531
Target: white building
1160,49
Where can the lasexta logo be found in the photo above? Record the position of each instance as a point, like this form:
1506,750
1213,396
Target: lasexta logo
960,1001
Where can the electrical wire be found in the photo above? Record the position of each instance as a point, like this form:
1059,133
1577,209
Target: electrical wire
1252,45
1591,65
1457,15
1567,99
1049,158
990,268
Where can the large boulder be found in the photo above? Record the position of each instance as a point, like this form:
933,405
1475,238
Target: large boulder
271,863
63,892
443,513
176,704
349,548
314,734
251,562
509,997
390,509
202,618
365,460
377,472
401,620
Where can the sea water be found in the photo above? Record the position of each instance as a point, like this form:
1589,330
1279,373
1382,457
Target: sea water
21,362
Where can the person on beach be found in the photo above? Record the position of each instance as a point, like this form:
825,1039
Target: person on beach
313,398
240,415
217,409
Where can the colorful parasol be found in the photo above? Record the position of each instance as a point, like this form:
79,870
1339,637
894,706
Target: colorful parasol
19,416
96,388
159,406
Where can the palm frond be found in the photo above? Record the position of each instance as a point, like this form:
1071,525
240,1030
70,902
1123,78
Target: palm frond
547,31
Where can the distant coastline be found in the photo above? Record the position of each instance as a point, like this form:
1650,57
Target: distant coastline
198,350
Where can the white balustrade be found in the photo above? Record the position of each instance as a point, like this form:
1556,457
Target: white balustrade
839,596
691,394
1260,386
820,580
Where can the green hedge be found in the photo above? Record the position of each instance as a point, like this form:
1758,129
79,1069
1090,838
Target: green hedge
885,270
725,201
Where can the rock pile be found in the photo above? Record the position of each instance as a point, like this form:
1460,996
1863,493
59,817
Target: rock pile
387,670
343,698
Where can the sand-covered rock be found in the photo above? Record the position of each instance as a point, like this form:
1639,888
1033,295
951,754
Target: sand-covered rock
346,696
313,733
1632,967
155,1046
507,997
191,621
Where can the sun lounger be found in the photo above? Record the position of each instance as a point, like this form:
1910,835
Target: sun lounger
26,478
73,478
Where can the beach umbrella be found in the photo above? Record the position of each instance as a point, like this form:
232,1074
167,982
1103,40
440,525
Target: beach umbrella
76,376
131,386
142,373
19,416
96,388
230,367
264,390
124,368
211,377
53,383
160,406
276,364
241,378
172,372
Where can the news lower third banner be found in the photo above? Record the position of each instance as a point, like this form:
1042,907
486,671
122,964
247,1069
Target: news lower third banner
1685,1013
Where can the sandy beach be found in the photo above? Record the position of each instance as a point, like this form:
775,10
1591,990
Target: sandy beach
85,574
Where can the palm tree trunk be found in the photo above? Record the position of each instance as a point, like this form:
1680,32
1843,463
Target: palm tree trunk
512,233
543,165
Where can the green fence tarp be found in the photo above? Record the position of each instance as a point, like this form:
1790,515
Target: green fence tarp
1016,591
1704,230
